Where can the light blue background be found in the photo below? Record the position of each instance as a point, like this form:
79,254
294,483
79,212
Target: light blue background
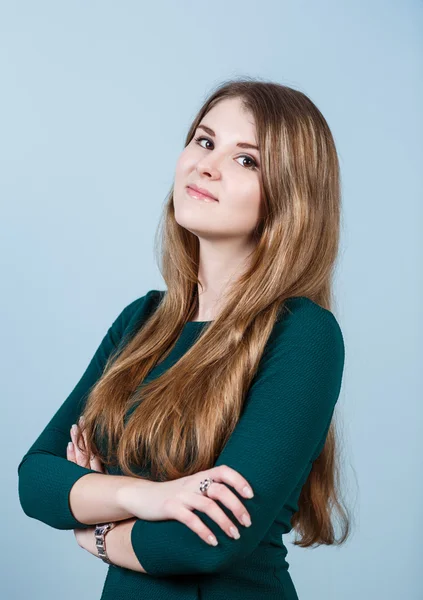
96,99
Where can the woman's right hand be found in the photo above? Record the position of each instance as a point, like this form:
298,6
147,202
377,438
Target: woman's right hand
177,498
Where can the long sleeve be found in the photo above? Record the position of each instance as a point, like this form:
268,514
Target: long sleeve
282,429
45,475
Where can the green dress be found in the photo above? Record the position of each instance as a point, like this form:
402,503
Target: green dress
281,431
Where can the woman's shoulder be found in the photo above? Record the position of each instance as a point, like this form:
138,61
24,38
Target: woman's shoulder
305,308
304,321
149,300
143,306
135,313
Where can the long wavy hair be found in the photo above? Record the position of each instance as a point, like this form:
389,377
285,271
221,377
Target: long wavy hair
296,246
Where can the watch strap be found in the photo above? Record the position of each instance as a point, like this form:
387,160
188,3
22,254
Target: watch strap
100,534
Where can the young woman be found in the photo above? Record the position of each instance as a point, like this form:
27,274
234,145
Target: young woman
207,411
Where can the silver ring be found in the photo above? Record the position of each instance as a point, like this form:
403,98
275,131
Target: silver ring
204,485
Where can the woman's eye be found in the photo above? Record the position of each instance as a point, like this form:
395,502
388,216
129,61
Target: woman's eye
252,167
200,139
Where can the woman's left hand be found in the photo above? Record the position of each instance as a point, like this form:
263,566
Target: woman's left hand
84,537
80,456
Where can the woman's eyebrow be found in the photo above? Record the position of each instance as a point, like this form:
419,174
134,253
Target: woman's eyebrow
210,131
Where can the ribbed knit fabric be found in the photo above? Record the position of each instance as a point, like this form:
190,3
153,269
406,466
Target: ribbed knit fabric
281,431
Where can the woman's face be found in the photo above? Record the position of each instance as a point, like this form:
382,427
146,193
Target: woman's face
231,173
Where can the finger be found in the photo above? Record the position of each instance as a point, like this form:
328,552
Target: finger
219,491
225,474
70,453
208,506
95,462
193,522
80,453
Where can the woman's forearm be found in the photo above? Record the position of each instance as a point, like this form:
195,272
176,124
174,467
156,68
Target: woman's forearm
118,545
97,497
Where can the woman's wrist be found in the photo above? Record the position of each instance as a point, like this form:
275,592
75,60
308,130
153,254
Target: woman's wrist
94,499
133,494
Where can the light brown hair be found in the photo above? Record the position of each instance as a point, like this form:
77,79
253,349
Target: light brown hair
296,246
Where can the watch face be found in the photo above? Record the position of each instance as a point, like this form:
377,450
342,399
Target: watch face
100,529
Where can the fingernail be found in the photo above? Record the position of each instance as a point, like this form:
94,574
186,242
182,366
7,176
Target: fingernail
212,540
70,446
235,532
74,428
248,492
246,520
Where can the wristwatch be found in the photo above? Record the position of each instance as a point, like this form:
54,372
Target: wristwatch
100,533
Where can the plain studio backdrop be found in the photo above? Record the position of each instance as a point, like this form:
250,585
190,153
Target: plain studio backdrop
96,99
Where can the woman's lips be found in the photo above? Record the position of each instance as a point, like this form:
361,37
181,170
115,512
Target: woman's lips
199,195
